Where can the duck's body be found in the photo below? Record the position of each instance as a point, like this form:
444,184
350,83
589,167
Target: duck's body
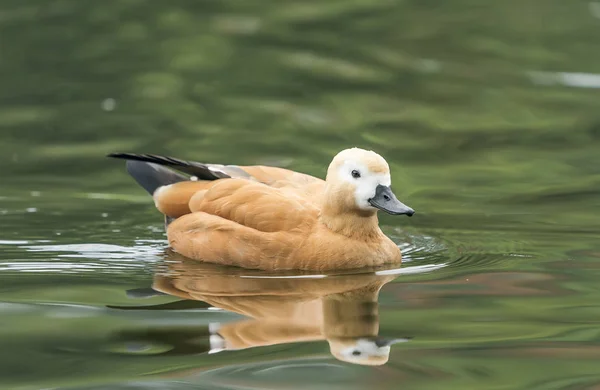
272,218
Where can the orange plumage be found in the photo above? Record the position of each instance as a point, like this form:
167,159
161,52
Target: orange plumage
272,218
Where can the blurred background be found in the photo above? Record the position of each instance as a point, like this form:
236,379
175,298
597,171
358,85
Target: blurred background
487,111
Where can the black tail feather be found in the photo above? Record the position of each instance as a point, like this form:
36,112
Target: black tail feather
151,176
201,171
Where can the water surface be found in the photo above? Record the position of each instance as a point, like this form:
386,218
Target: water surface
486,112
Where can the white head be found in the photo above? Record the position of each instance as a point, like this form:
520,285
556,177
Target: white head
360,180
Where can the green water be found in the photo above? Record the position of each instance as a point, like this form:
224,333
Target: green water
486,111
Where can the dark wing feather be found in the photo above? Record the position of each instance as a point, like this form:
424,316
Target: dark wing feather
201,171
151,176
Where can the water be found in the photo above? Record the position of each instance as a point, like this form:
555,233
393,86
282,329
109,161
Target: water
487,113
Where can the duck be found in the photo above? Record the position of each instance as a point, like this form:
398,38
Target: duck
272,218
341,310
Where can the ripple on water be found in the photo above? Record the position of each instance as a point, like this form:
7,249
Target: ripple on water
280,374
421,254
43,256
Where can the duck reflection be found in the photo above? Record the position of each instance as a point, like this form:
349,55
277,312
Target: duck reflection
341,309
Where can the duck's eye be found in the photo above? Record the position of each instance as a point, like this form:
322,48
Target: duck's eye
356,352
355,174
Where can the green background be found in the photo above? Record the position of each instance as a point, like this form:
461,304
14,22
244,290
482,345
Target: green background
486,111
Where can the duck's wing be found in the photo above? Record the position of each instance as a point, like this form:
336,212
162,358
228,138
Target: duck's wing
257,197
243,223
254,205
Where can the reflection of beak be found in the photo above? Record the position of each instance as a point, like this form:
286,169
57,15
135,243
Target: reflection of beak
385,342
385,200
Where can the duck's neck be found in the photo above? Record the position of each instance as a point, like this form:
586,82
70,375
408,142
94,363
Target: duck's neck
350,223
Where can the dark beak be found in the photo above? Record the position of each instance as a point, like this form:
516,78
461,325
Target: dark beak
385,200
385,342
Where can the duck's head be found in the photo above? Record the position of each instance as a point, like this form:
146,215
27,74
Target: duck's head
359,180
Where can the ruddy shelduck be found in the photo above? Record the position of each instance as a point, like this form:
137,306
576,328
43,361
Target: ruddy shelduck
272,218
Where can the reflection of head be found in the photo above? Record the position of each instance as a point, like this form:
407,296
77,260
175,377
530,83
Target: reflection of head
361,351
368,352
351,326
